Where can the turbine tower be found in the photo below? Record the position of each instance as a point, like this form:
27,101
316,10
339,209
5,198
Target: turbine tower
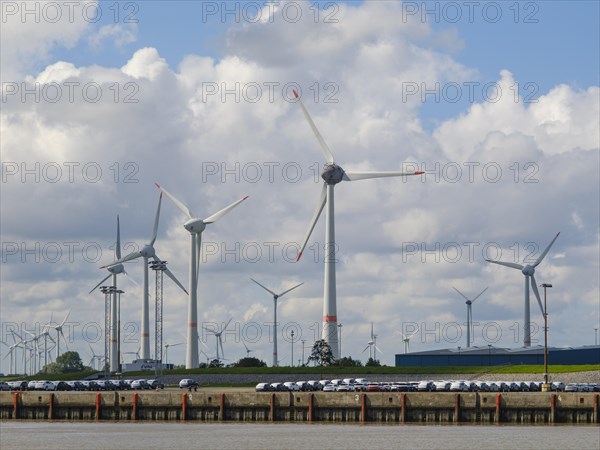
114,270
332,174
528,271
275,298
195,226
146,253
469,313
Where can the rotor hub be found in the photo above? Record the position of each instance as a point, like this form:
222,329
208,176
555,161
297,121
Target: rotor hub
147,251
116,269
528,270
332,174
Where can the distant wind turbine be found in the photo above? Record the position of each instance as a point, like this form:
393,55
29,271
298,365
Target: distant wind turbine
275,298
469,313
195,226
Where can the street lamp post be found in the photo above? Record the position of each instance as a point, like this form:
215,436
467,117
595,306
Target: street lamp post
119,292
340,338
545,386
292,362
459,355
596,336
303,342
489,354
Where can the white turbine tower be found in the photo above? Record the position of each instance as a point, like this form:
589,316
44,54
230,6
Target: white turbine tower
332,174
275,298
469,313
195,226
114,270
248,351
59,333
218,335
406,339
372,345
528,271
146,253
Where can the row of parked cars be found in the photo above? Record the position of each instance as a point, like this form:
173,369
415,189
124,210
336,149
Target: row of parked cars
363,385
83,385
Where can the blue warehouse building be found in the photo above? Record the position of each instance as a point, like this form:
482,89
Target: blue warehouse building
496,356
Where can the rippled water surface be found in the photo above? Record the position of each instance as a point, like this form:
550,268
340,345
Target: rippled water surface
160,435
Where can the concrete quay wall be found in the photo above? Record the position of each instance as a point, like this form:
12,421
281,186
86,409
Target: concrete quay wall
374,407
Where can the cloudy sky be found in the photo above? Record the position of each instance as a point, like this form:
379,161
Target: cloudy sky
498,102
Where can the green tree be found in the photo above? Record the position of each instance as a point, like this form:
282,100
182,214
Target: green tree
250,362
215,363
347,361
373,363
68,362
321,353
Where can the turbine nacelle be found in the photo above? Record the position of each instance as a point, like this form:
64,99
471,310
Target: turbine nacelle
116,269
528,271
333,174
147,251
195,225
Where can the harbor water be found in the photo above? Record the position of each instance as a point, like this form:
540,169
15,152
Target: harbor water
160,435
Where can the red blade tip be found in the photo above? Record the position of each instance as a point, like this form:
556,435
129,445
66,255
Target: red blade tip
157,185
295,93
419,173
245,197
299,256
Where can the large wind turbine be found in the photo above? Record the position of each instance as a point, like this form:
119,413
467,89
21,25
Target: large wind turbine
275,297
332,174
469,313
146,253
59,333
528,271
195,226
372,345
114,270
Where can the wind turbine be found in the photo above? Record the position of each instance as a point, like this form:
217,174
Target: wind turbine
372,345
94,357
247,350
528,271
219,339
59,333
469,313
275,297
114,270
167,350
406,339
146,253
195,226
332,174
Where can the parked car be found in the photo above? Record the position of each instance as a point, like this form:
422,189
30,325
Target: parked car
329,388
76,385
314,385
425,386
278,387
139,384
186,383
63,386
4,386
31,385
45,386
344,387
459,386
291,386
18,385
155,384
263,387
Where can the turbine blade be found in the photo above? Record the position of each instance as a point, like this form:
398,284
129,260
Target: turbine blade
118,248
129,257
366,348
414,332
290,289
198,248
507,264
66,317
170,275
180,205
545,252
155,230
227,324
463,295
479,295
377,348
315,218
324,147
537,293
103,280
265,288
130,278
354,175
216,216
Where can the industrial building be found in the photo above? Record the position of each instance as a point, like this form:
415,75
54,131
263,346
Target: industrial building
496,356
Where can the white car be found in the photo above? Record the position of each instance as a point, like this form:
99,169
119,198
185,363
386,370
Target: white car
188,383
329,388
291,386
45,386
